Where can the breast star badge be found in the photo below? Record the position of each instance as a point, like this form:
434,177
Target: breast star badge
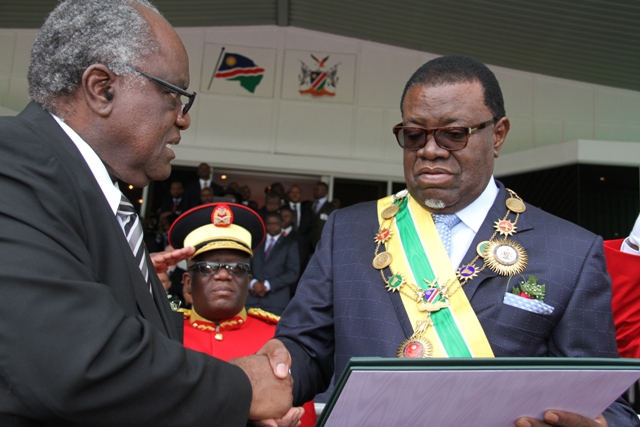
505,227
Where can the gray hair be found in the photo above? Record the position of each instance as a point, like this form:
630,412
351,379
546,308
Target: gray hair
79,33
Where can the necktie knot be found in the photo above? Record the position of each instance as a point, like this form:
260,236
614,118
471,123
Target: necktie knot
125,208
450,220
444,223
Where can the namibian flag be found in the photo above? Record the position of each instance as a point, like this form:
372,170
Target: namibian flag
242,69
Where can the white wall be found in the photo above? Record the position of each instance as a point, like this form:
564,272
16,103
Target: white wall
354,139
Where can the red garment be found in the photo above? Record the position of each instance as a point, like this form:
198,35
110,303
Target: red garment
241,335
624,269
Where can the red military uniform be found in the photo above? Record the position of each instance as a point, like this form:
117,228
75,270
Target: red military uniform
241,335
624,269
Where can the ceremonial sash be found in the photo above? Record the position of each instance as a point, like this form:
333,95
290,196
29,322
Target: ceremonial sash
418,254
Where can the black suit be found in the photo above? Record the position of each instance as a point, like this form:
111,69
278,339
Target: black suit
281,269
303,253
181,207
193,189
306,227
98,349
319,220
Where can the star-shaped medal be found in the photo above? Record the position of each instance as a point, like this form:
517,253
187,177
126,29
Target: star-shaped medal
383,235
505,227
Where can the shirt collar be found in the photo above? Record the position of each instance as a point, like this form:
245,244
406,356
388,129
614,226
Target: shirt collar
274,238
473,215
234,322
109,188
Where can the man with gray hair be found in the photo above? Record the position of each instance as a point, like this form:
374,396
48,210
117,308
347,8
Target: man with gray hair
90,338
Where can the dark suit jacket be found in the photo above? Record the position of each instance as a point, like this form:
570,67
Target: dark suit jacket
319,220
303,254
342,309
167,205
192,193
281,269
83,340
306,218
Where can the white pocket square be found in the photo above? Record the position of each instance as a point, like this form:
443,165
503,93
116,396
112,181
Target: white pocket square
532,305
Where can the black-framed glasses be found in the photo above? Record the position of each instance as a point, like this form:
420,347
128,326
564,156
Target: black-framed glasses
191,96
449,138
206,268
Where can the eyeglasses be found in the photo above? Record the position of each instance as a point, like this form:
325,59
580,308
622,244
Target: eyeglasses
178,91
448,138
206,268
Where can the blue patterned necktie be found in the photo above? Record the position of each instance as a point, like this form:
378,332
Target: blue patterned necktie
133,233
444,224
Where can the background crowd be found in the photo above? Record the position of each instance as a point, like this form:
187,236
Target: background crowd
293,223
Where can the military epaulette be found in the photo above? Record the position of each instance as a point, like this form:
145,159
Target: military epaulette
186,312
263,315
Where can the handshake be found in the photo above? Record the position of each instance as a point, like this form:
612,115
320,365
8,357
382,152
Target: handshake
272,384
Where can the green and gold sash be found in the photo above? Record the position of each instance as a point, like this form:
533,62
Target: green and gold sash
420,258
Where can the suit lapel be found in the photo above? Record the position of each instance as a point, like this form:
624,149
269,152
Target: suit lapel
497,211
149,307
40,121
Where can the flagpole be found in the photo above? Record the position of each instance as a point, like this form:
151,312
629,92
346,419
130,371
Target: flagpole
215,69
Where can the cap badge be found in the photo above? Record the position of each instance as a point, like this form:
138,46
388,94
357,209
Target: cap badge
222,216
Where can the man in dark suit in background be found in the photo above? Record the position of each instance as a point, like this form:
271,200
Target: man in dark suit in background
288,232
108,80
175,203
321,209
272,202
192,192
454,266
304,218
275,267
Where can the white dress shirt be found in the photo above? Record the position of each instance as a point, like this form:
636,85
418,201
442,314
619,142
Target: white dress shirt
471,218
109,188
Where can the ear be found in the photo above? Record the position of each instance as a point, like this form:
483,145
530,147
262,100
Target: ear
186,281
500,131
99,88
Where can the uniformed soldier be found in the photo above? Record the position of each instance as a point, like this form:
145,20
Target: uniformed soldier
218,275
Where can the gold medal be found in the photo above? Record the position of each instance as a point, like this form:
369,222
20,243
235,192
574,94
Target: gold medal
395,282
415,348
218,336
466,273
390,211
382,260
515,205
481,246
505,257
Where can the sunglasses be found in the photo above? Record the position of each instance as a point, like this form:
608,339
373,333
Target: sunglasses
206,268
448,138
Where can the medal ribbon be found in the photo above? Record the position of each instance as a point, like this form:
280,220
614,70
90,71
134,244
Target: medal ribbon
456,331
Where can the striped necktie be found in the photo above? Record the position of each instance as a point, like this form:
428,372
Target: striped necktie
133,233
444,224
